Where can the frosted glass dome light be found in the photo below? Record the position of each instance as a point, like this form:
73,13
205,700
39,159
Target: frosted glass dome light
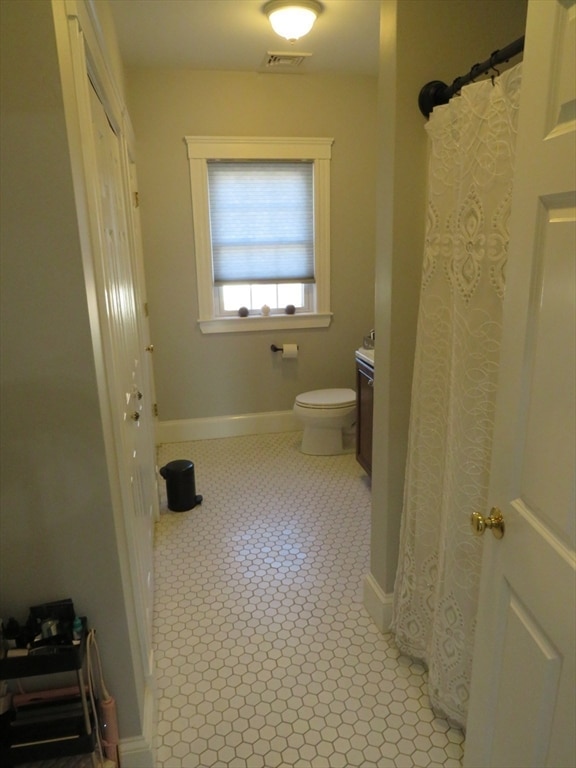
292,20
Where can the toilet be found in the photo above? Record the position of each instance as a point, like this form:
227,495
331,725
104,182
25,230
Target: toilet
327,415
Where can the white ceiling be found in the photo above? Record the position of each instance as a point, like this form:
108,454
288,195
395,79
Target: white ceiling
236,35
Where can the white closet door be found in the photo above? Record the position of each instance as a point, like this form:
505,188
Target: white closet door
126,373
522,710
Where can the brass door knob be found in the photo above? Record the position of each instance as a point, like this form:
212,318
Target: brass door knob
150,348
495,522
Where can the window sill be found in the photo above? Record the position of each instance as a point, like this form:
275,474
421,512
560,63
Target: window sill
270,323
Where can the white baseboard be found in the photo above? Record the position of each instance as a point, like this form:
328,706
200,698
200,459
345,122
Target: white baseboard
139,751
378,603
185,430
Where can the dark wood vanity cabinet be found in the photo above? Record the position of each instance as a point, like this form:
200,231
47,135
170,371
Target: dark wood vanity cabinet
365,409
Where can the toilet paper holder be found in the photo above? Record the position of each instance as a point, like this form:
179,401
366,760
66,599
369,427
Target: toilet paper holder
275,348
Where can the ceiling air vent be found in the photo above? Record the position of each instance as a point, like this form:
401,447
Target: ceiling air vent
283,62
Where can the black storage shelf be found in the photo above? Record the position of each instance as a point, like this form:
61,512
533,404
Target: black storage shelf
59,658
77,744
52,738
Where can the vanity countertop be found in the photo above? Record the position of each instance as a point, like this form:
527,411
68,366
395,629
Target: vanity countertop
367,355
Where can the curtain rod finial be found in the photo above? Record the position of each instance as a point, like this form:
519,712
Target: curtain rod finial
432,95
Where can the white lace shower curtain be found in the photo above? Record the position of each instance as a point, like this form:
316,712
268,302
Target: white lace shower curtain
472,142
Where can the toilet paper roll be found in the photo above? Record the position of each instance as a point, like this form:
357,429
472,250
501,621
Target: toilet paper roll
289,350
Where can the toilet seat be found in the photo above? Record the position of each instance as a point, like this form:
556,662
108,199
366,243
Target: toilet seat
327,399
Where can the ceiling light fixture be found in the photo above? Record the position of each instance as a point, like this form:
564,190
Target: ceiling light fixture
292,19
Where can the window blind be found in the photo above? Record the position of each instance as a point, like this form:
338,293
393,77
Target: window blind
261,221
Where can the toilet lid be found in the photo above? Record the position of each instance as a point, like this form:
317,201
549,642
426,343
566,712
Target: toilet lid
327,398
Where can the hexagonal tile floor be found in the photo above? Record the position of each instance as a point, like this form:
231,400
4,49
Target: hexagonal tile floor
266,656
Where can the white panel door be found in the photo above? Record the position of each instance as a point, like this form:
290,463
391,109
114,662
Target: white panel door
522,710
126,374
142,305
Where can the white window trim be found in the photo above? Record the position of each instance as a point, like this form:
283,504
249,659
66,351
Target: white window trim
204,148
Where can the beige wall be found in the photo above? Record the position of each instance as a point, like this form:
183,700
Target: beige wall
223,374
55,492
57,533
421,40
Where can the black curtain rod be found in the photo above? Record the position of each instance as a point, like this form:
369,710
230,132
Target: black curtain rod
436,92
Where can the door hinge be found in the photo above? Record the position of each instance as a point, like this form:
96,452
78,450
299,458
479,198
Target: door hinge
155,409
136,200
145,309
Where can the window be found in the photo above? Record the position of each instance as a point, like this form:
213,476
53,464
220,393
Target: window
261,231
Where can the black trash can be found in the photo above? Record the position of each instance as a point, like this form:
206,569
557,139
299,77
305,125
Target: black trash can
180,485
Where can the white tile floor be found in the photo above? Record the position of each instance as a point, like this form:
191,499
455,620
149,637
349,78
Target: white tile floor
266,656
